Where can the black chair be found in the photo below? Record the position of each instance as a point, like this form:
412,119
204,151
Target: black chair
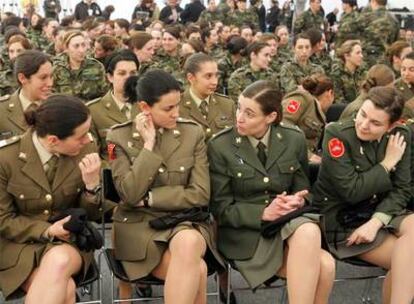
85,285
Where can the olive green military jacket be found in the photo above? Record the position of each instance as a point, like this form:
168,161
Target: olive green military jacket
176,173
242,187
87,83
302,109
27,200
292,74
406,90
105,114
12,121
221,112
351,173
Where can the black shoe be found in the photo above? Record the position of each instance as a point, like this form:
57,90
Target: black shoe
143,291
223,297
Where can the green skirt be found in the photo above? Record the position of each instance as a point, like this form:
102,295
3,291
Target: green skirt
268,257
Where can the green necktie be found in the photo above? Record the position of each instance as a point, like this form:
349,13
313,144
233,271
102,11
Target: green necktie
204,108
261,153
52,167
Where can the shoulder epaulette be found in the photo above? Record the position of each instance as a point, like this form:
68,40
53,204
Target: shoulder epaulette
185,120
9,141
5,97
93,101
117,126
290,126
221,95
221,132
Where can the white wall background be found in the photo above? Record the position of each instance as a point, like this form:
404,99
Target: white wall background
124,8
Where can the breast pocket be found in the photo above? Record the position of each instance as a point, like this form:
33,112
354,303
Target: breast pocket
26,197
180,171
287,170
223,121
71,194
243,179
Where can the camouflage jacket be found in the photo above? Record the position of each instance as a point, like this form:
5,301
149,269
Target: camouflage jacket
285,53
226,68
323,60
87,83
248,17
211,17
170,64
406,90
308,20
8,83
347,27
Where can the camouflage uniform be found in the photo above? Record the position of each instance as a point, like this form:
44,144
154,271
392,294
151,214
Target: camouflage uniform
323,60
276,63
245,76
226,68
285,53
406,90
248,17
308,20
40,42
210,17
292,74
347,28
170,64
346,84
5,63
8,83
216,52
378,30
87,83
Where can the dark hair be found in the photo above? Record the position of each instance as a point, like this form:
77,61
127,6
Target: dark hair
378,75
409,56
59,115
314,35
267,96
237,45
396,48
206,33
352,3
139,40
317,84
122,23
11,21
387,99
173,31
124,55
11,32
196,44
255,48
154,84
29,62
193,63
300,36
19,39
130,92
192,29
67,20
108,43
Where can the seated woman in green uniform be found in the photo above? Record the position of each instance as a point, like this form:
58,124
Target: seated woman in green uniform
159,165
258,172
52,167
306,109
363,188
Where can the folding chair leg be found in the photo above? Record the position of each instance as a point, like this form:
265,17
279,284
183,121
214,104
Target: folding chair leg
283,297
366,298
228,283
217,288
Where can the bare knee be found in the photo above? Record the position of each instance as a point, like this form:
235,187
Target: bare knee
407,227
188,244
203,269
71,292
61,260
309,233
327,264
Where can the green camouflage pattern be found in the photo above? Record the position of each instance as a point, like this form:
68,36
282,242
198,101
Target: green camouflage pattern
323,60
347,28
226,68
285,53
170,64
248,17
8,83
308,20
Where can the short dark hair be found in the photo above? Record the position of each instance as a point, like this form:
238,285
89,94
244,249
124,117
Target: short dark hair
387,99
300,36
255,48
409,56
268,96
59,115
317,84
315,36
122,23
193,63
108,43
29,62
236,45
123,55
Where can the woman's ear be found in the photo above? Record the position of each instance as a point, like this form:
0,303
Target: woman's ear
271,118
144,107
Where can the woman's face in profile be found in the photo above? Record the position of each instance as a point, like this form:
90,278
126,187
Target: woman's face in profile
164,113
371,123
250,119
73,144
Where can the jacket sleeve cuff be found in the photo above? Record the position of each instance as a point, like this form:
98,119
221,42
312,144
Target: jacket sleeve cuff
383,217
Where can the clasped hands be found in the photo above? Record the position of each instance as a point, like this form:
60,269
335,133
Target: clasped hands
283,204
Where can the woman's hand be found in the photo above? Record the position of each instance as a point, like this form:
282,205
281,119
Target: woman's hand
90,167
365,233
315,159
145,127
56,230
394,152
276,209
296,200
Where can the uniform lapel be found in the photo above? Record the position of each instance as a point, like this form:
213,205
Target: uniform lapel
246,152
15,109
190,108
112,110
170,141
65,166
369,152
32,167
276,147
213,110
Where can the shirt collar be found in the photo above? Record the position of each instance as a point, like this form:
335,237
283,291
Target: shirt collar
44,155
25,101
265,139
119,103
196,99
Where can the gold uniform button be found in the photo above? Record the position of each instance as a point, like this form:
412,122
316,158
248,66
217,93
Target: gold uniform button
48,197
46,212
325,199
239,174
266,179
125,219
21,196
374,196
357,167
292,168
78,190
267,201
266,192
161,170
208,130
182,169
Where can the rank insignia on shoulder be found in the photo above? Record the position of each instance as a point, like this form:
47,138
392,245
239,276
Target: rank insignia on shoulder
336,147
111,151
293,106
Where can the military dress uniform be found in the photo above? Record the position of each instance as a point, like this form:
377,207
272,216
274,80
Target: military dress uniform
12,121
27,200
87,83
302,109
292,74
107,112
245,76
405,89
174,176
220,112
351,175
242,187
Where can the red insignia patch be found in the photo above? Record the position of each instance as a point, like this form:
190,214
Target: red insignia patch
111,152
336,147
293,106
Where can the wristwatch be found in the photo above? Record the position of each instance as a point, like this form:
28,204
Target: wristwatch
93,191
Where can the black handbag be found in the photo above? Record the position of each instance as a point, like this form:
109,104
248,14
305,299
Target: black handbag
355,215
270,228
195,214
